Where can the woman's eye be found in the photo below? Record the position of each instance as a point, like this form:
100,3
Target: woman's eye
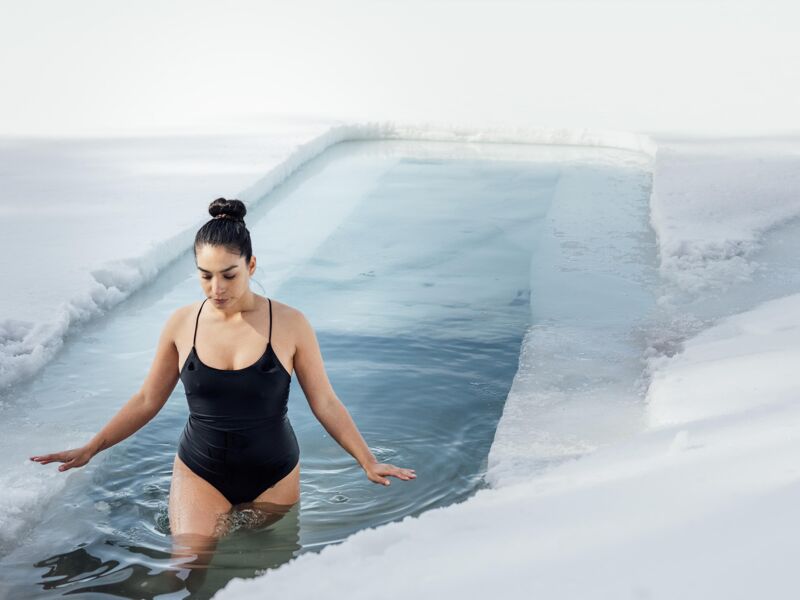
231,277
226,277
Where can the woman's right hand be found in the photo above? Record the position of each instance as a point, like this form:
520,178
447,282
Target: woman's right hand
76,457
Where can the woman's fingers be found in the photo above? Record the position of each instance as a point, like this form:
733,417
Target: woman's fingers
402,473
379,473
68,457
47,458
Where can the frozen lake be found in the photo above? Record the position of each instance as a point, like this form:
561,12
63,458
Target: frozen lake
421,265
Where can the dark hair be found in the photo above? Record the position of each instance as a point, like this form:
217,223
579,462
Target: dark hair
226,228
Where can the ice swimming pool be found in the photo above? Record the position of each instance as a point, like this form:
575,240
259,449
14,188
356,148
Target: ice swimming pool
421,265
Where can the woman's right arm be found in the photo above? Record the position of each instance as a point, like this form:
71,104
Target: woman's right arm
141,408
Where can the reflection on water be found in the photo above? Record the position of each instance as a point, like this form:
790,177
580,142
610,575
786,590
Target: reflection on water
257,537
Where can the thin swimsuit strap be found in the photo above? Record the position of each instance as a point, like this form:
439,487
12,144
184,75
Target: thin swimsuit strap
197,320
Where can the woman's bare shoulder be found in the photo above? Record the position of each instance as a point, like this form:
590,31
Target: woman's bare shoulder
289,315
182,312
180,319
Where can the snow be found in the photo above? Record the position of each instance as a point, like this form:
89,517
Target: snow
714,199
743,363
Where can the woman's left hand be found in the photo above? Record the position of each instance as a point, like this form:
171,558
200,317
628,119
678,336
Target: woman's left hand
377,473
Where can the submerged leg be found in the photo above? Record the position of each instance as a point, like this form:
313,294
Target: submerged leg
260,515
198,518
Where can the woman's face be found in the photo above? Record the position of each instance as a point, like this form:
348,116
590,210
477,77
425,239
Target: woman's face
224,275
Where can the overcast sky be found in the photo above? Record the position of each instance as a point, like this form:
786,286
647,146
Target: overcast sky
113,66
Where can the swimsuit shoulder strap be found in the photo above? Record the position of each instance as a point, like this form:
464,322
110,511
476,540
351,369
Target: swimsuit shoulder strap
269,341
196,321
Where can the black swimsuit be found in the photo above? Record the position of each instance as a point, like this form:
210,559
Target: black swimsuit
238,436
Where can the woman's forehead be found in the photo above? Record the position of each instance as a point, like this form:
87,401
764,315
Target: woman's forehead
217,258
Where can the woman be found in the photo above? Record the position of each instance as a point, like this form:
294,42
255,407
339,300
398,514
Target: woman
238,445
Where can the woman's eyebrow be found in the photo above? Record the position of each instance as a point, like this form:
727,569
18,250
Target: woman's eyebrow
223,270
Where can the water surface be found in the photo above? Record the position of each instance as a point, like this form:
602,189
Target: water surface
413,261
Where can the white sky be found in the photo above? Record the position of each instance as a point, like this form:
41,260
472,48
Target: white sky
112,66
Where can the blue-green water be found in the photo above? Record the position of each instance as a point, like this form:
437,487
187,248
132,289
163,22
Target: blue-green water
413,262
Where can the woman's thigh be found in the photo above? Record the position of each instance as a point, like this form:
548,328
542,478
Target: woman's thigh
197,518
286,492
196,508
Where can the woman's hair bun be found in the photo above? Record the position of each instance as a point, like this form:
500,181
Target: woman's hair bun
233,209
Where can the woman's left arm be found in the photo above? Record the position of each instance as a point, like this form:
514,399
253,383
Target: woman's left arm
329,410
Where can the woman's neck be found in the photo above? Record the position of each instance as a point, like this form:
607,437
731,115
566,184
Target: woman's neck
247,303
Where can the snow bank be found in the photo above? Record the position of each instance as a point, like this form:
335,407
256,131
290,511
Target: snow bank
712,201
744,362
